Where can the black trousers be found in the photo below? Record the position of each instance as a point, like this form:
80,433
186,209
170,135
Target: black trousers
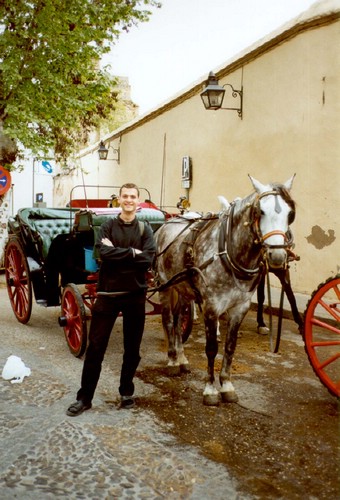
104,315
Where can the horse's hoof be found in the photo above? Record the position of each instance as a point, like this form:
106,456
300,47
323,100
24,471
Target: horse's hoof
211,400
173,370
229,397
262,330
185,368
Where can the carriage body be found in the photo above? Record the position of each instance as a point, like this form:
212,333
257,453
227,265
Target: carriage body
60,240
50,255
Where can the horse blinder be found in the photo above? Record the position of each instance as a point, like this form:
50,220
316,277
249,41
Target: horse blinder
291,217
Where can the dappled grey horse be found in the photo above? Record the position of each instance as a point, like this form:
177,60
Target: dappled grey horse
217,260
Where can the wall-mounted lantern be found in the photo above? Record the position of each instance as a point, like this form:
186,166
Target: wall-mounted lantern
103,152
213,95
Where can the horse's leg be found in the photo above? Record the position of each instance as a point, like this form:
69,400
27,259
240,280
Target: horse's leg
210,394
261,325
180,315
173,367
230,325
171,321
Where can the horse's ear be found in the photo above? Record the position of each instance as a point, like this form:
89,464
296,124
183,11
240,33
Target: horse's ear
259,188
288,184
224,202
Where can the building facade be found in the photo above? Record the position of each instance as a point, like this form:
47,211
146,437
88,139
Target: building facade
290,124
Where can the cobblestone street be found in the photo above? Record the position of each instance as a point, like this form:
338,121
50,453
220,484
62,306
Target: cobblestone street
104,453
280,441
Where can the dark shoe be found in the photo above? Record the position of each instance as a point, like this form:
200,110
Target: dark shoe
127,402
77,408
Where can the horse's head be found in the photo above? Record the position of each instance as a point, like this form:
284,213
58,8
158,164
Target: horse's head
273,212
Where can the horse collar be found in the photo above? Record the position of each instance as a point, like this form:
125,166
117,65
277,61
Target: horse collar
224,249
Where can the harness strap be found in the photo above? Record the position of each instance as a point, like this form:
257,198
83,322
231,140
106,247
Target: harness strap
274,233
191,238
224,247
171,242
190,271
178,278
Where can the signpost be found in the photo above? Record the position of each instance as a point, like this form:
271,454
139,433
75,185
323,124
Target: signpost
5,181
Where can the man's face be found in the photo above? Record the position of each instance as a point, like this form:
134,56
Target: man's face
128,200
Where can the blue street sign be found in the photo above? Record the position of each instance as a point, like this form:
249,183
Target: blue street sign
47,166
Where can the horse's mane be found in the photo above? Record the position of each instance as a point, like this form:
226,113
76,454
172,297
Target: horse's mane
284,193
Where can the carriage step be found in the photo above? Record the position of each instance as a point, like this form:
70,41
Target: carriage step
33,265
42,302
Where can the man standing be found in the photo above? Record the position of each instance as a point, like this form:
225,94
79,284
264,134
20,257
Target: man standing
126,252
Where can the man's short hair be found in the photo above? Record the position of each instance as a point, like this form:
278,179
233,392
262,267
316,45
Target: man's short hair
129,185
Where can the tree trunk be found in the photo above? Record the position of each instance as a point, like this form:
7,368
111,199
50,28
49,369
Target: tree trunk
8,148
8,154
4,215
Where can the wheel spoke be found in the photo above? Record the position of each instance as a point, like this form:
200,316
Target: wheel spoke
330,308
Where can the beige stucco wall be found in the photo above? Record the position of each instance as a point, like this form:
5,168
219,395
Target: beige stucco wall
291,124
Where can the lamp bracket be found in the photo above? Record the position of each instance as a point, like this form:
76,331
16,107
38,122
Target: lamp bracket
118,154
235,93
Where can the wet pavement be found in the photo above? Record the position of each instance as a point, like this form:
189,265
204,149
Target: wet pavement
110,453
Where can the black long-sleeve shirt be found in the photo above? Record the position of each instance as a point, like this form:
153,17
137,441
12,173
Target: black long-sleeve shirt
121,269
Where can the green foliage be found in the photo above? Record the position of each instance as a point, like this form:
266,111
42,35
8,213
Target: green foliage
52,90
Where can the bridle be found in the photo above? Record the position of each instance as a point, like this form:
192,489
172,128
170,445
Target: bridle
225,243
260,238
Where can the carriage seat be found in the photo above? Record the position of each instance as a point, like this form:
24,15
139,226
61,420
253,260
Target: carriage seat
49,229
46,223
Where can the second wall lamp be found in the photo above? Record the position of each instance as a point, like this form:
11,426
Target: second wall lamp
213,95
103,152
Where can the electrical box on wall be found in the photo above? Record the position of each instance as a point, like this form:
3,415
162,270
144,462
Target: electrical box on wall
186,172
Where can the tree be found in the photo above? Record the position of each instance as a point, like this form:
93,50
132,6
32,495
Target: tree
52,90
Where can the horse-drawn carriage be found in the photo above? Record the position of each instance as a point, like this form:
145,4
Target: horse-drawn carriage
50,254
50,251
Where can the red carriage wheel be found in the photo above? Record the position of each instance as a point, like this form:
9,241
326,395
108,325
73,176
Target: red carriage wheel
73,320
322,333
18,280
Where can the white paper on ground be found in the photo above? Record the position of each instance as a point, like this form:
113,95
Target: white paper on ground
15,370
